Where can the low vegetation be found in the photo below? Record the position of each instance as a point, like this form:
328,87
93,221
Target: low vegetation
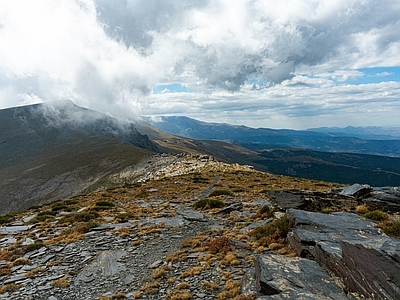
209,204
377,215
274,232
221,192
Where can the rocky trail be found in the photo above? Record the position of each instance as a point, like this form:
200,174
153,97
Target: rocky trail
151,239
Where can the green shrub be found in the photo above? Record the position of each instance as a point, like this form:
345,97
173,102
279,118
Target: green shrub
71,201
124,217
58,207
42,216
282,225
221,192
266,211
392,228
104,203
377,215
208,204
84,216
32,247
4,219
47,213
143,194
197,178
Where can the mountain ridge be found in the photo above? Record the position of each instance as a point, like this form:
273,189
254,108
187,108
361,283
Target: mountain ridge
266,138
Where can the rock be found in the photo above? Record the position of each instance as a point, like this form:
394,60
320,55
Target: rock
356,190
385,199
156,264
310,200
105,265
248,228
351,248
230,208
14,229
191,215
287,199
28,241
281,277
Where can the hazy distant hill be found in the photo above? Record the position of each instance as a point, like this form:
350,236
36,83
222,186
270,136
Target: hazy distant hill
293,153
265,138
51,151
366,133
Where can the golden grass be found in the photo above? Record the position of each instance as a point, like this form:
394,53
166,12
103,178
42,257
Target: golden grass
62,283
192,272
158,273
32,273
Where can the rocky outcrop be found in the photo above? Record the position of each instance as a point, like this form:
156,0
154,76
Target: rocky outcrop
350,248
281,277
384,198
311,200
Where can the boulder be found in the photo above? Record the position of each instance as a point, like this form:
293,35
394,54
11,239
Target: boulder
281,277
311,200
356,190
385,199
351,248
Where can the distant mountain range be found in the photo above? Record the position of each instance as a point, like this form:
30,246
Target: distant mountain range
369,140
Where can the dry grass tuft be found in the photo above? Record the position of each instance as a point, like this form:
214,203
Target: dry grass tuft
10,288
192,272
158,273
218,245
32,273
62,283
362,209
209,286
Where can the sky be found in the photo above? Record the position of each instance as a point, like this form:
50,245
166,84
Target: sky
262,63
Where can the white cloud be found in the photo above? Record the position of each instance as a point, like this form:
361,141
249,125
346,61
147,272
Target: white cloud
108,55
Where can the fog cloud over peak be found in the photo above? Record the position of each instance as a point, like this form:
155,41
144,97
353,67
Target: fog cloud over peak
109,55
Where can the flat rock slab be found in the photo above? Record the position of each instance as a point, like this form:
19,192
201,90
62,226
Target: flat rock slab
14,229
191,215
105,265
384,198
351,248
356,190
310,200
281,277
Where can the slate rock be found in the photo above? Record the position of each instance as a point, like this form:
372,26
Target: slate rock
191,215
281,277
105,265
352,249
356,190
230,208
310,200
385,199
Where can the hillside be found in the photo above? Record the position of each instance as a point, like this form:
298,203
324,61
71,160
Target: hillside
51,151
192,227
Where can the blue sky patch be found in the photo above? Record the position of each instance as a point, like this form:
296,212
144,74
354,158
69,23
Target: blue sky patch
170,88
376,75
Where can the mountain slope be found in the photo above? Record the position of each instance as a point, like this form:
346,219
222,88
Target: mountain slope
48,152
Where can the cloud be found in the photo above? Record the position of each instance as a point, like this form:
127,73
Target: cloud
109,55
